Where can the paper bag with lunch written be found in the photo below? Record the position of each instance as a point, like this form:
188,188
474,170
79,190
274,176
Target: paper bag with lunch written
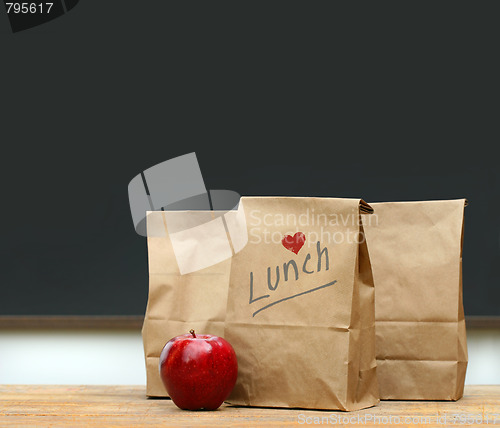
300,310
416,254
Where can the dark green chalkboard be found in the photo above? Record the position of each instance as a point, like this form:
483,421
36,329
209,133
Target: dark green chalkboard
272,103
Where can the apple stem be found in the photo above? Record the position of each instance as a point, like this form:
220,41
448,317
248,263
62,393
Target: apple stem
192,332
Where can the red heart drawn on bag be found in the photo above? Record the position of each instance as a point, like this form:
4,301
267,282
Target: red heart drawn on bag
294,243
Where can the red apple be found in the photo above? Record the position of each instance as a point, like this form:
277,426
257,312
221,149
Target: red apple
198,371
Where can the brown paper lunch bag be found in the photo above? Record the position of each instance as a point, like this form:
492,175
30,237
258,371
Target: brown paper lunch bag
178,301
300,308
416,255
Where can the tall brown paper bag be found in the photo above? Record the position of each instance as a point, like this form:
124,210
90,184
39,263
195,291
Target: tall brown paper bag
179,302
416,254
301,318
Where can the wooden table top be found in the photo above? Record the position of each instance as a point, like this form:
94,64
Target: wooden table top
127,406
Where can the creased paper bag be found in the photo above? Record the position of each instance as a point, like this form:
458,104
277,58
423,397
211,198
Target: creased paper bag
177,302
300,310
416,255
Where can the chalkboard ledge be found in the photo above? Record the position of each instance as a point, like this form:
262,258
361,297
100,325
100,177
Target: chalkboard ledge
134,322
71,322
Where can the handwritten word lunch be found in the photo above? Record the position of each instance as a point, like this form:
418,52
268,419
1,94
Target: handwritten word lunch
292,270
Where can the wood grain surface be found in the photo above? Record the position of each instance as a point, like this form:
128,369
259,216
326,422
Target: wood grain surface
127,406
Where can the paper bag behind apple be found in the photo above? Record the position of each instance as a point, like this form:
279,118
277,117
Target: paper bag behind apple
179,302
416,254
300,309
